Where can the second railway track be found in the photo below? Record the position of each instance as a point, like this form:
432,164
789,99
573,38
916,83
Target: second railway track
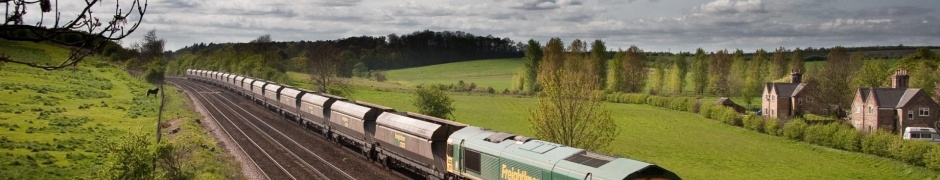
280,148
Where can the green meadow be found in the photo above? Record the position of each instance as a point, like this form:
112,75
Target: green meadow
495,73
57,124
686,143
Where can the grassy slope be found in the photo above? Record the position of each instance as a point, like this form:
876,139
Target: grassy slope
491,72
119,109
693,147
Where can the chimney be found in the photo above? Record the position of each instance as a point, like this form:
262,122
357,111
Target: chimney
900,79
796,77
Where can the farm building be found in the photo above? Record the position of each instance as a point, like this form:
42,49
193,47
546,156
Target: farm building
894,108
786,100
724,101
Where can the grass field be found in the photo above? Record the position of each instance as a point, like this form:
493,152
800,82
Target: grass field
485,73
55,124
686,143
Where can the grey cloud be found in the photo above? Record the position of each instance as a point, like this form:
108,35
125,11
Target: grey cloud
731,7
893,11
543,4
338,2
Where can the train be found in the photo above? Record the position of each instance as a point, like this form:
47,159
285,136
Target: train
431,147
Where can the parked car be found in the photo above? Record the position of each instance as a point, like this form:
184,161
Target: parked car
922,133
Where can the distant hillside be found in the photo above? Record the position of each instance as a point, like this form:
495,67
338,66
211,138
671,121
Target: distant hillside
496,73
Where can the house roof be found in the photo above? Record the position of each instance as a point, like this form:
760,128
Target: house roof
889,97
786,89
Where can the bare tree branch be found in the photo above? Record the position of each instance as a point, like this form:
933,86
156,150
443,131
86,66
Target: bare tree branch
90,31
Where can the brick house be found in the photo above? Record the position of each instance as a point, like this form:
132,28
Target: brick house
787,100
894,108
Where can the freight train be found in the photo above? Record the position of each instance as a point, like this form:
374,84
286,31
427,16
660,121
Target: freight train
432,147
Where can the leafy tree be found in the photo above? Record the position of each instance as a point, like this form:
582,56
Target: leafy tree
553,59
755,79
835,79
678,72
780,64
796,60
615,73
324,63
130,157
151,51
762,70
432,101
599,56
922,66
660,65
570,112
533,54
719,70
874,73
699,72
360,70
739,74
634,70
82,29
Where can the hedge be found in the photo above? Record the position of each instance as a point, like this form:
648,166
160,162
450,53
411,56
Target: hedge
794,129
753,122
772,126
831,134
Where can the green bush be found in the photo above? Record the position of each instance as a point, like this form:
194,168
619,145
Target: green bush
914,152
753,122
847,138
878,143
932,159
772,126
794,129
820,134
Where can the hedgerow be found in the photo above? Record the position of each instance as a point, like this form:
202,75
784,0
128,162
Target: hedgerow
832,134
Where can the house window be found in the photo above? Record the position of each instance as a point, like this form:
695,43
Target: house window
871,110
869,129
799,101
858,109
910,114
924,111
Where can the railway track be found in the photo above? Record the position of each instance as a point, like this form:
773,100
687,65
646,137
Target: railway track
277,146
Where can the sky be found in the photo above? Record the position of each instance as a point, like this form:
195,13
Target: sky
652,25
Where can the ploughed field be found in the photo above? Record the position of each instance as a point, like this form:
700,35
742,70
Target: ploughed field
56,124
280,147
688,144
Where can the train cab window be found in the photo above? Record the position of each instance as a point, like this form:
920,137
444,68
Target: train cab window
471,160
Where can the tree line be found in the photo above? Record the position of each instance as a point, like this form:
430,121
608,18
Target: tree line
723,73
393,51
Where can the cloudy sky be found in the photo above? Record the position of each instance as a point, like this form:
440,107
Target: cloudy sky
652,25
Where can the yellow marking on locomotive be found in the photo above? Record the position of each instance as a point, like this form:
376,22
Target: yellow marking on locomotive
450,158
515,174
400,139
345,121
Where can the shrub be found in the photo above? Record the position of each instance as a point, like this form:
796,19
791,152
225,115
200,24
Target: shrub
772,126
820,134
932,158
878,143
753,122
794,129
379,76
913,151
847,138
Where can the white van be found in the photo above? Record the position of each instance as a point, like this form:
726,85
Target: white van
921,133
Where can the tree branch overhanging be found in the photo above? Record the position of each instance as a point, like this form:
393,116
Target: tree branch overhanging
86,33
